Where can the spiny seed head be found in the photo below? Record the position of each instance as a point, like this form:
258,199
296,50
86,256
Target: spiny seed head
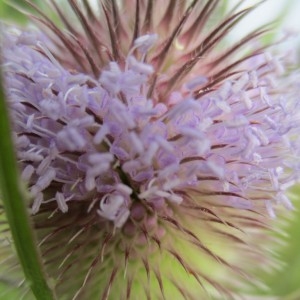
151,152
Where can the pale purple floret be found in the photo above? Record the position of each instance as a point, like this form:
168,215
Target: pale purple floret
105,142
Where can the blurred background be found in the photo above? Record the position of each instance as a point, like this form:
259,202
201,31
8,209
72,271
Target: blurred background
285,281
286,11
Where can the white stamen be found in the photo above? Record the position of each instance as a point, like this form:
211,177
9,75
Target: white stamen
30,121
225,90
124,189
130,166
203,146
182,107
101,133
241,83
252,143
247,100
191,132
145,42
170,184
257,158
35,157
271,122
238,121
150,153
98,169
226,186
167,171
45,179
163,143
205,124
161,193
110,208
27,172
71,139
175,198
274,179
253,79
223,105
260,135
22,141
137,144
61,202
83,122
51,108
140,67
264,96
49,54
121,218
90,183
216,169
270,209
38,199
196,82
99,158
43,166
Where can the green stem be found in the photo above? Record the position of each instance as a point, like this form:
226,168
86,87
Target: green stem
16,211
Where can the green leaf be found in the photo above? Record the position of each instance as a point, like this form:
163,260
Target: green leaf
13,197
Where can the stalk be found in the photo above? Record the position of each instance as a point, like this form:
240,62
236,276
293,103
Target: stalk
14,201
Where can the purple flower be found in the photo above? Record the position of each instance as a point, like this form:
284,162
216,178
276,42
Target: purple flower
146,146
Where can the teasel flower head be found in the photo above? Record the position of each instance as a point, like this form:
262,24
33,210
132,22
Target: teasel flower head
155,155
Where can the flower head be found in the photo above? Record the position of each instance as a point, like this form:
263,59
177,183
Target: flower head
146,145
